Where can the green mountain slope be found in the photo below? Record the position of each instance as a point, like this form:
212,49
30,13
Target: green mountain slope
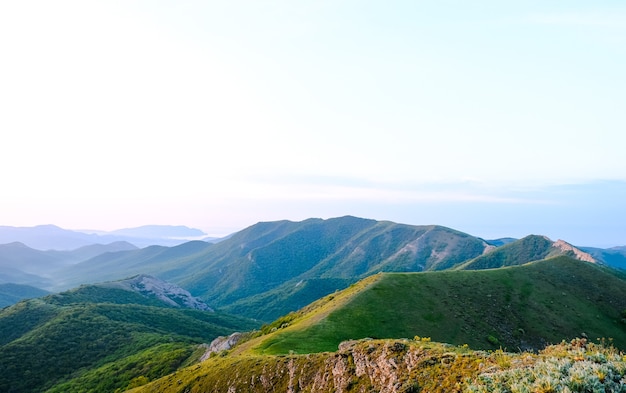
522,307
96,338
528,249
288,264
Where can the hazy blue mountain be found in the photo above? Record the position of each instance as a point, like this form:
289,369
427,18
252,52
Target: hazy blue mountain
19,256
51,237
154,260
46,237
16,276
614,257
20,264
92,250
160,231
13,293
501,241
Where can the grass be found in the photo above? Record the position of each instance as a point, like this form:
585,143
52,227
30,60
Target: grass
516,308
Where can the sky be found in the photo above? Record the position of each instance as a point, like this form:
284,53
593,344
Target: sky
499,119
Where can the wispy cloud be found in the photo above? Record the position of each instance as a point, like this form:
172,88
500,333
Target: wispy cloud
601,19
328,188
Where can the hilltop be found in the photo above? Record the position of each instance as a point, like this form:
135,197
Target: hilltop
516,308
528,249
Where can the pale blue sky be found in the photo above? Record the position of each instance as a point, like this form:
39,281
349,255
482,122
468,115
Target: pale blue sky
495,118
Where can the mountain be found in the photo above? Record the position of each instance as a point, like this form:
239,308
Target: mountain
51,237
160,232
153,260
615,257
46,237
271,268
377,335
20,264
92,250
101,338
30,260
13,293
501,241
528,249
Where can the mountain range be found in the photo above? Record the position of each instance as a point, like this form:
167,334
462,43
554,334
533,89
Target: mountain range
272,268
127,315
52,237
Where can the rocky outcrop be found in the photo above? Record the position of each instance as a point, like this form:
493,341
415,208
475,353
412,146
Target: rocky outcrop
222,343
577,253
167,292
391,366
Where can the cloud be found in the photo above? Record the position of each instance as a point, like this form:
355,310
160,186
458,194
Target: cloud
602,19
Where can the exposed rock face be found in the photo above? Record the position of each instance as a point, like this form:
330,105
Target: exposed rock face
221,343
167,292
578,254
359,366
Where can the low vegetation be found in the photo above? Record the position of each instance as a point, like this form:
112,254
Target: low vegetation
76,342
408,366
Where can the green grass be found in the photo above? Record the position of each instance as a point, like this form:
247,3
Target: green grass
517,308
56,339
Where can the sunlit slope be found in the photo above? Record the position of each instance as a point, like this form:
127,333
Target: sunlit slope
522,307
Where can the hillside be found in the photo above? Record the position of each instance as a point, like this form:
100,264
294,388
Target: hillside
528,249
98,338
272,268
522,307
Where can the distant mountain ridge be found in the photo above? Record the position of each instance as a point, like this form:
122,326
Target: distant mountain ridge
13,293
52,237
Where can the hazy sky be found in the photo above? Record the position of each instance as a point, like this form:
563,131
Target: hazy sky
497,118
